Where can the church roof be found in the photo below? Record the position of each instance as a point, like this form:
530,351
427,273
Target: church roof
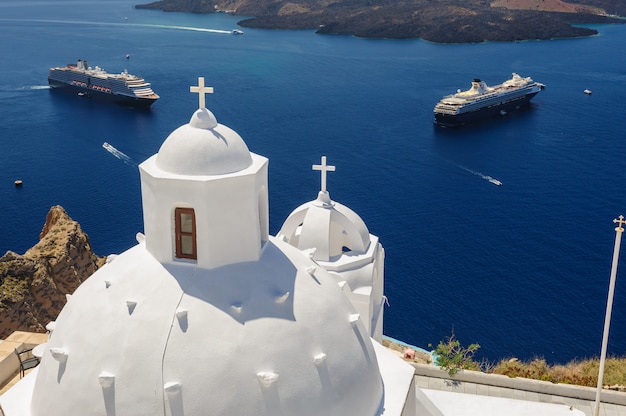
273,334
271,337
203,147
325,225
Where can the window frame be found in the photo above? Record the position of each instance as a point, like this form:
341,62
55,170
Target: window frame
178,212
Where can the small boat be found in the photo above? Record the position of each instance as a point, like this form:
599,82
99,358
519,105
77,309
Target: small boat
237,32
502,113
492,180
18,182
588,92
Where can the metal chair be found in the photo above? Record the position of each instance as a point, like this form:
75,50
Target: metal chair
26,361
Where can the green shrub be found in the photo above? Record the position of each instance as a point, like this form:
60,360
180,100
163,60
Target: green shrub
451,356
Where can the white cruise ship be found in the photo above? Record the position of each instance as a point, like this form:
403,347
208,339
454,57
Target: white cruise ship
481,101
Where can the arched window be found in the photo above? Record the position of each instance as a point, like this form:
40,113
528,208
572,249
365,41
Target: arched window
186,233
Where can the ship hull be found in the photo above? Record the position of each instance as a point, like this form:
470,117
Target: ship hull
112,97
482,113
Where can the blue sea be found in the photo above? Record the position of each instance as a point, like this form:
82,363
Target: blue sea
522,268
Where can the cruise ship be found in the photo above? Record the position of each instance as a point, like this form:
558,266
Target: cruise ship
123,88
482,101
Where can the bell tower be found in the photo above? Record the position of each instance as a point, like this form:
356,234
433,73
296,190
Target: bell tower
205,194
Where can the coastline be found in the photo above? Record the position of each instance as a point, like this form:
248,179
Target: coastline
454,23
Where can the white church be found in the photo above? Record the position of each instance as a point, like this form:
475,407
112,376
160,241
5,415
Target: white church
209,315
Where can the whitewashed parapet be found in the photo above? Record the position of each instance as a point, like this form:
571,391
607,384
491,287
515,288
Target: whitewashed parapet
522,384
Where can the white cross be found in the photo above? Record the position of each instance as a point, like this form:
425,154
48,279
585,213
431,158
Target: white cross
201,90
324,168
621,221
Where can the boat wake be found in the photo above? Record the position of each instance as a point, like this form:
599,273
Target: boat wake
485,177
193,29
39,87
120,155
74,22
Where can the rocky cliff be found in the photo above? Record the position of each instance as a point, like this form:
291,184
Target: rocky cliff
442,21
33,286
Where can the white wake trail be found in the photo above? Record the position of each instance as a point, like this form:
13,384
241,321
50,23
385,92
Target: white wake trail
120,155
194,29
481,175
74,22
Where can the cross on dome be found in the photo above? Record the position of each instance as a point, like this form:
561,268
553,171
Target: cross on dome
619,221
324,168
201,90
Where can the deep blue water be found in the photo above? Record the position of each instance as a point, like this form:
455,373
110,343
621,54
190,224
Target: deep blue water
522,268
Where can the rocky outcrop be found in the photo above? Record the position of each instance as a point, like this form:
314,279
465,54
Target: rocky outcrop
33,286
443,21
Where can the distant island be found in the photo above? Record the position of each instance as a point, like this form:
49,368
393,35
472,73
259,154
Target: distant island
442,21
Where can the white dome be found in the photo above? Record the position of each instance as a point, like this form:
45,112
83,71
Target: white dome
276,336
203,147
326,226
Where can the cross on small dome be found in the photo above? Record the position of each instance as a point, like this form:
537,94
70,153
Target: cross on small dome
324,168
621,221
202,91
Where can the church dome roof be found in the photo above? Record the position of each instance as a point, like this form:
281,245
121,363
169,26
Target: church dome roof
326,226
276,336
263,335
203,147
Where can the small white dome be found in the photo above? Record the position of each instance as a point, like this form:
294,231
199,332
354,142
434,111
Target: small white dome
203,147
326,226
